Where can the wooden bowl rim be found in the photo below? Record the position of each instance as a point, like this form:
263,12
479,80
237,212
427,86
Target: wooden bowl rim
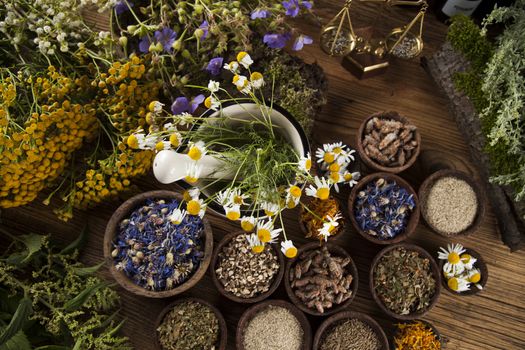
255,309
223,329
345,315
332,248
436,272
412,221
371,163
430,325
480,264
111,230
339,234
273,287
430,181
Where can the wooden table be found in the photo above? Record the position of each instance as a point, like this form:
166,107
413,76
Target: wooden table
493,319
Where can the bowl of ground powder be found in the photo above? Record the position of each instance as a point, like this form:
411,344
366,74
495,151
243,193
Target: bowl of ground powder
452,203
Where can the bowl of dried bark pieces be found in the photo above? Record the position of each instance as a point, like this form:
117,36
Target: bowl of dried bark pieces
242,275
273,324
356,330
321,280
387,141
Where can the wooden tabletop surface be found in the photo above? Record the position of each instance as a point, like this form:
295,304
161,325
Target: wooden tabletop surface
493,319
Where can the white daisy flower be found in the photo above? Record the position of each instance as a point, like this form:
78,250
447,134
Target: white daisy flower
233,212
177,216
146,141
196,150
233,67
212,103
270,209
254,242
458,284
325,155
213,86
266,232
322,191
193,171
155,107
170,127
248,223
474,276
324,233
196,206
468,261
345,156
288,249
184,119
351,178
244,59
454,265
256,80
236,197
242,83
305,163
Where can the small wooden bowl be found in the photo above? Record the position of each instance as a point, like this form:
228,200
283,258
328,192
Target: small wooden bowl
480,265
429,182
333,249
348,315
124,211
372,163
342,222
255,309
275,283
412,221
436,272
428,324
223,331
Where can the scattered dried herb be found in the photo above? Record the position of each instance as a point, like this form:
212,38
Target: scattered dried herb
244,273
416,336
389,142
322,209
351,334
274,328
382,209
189,326
451,205
404,282
321,280
154,252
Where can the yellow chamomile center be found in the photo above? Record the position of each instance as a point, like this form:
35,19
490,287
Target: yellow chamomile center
258,249
150,119
323,193
291,204
238,200
191,179
334,167
195,153
465,258
233,215
186,196
241,55
348,176
174,140
337,150
159,146
269,212
453,258
329,157
208,102
291,252
475,278
308,164
133,142
256,76
334,176
247,226
193,207
264,235
295,191
453,283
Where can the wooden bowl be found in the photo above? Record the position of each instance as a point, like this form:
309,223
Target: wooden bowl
412,221
333,249
429,182
346,315
343,222
480,265
275,283
255,309
223,331
436,272
428,324
124,211
372,163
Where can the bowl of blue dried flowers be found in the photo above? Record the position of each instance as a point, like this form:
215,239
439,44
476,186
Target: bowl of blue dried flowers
384,208
154,247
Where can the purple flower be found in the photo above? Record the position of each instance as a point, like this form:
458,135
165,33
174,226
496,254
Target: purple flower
301,41
195,102
182,104
166,37
144,44
259,14
205,27
122,6
307,5
276,41
292,7
215,65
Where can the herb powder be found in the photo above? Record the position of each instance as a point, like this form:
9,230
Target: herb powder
274,328
404,282
351,334
189,326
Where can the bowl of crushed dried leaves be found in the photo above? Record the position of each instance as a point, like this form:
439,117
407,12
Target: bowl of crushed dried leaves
350,330
389,142
321,280
417,335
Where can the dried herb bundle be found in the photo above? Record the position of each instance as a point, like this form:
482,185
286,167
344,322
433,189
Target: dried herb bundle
403,281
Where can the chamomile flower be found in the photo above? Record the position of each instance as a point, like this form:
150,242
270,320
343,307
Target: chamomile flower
213,86
190,194
351,178
184,119
162,145
244,59
458,284
293,196
345,157
270,209
193,171
323,233
322,189
212,103
233,67
332,221
288,249
233,212
256,80
175,139
242,83
452,255
169,127
266,232
223,197
254,242
196,207
305,163
474,276
146,142
236,197
177,216
248,223
155,107
196,150
325,155
468,261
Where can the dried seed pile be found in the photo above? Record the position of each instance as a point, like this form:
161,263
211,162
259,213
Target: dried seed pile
321,280
351,334
244,273
451,205
407,48
389,142
189,326
322,209
404,282
275,328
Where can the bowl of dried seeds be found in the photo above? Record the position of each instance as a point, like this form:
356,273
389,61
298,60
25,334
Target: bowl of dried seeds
384,208
405,281
387,141
321,280
190,323
154,248
452,203
349,330
242,275
273,324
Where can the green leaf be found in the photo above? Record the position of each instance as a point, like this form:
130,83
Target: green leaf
18,342
115,329
83,296
77,346
53,347
77,243
17,322
108,320
33,243
86,271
